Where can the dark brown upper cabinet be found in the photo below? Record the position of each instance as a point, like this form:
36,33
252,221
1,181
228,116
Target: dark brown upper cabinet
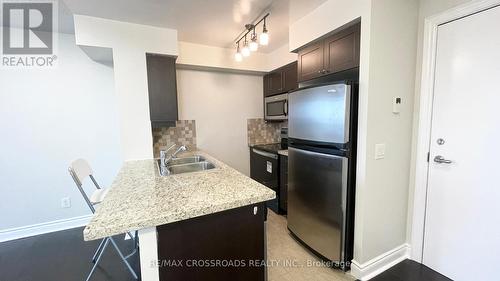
335,53
162,89
275,82
290,77
281,80
342,50
310,61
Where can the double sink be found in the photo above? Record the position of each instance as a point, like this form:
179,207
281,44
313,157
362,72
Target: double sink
182,165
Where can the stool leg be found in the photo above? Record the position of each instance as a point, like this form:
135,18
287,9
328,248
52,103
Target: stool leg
98,250
136,245
123,259
98,259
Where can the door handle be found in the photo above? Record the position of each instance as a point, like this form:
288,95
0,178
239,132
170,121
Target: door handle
440,159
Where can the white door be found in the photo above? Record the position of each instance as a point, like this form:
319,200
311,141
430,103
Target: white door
462,226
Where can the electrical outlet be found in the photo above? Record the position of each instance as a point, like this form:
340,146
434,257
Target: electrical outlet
379,151
66,202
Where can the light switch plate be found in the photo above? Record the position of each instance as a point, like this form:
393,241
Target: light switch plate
379,151
66,202
396,105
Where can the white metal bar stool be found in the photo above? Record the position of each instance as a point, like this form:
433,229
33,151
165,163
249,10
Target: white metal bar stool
79,170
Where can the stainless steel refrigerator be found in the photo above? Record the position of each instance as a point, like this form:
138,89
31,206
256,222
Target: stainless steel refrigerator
321,134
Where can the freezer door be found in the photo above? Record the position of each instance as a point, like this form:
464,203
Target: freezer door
317,187
320,114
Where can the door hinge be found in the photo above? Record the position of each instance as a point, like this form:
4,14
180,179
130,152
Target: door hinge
428,156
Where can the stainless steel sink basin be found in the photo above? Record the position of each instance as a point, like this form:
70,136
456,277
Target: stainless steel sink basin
192,167
185,165
186,160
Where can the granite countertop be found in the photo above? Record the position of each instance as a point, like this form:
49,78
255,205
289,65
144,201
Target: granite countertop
140,198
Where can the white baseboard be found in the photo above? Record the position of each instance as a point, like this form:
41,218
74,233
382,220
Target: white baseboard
42,228
379,264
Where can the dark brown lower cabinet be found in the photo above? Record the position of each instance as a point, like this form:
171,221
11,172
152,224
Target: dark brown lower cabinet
228,245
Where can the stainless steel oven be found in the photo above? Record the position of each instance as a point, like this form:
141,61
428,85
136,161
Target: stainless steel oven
276,107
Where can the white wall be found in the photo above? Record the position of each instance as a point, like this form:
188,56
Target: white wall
280,57
130,43
48,118
392,69
197,55
327,17
221,103
209,56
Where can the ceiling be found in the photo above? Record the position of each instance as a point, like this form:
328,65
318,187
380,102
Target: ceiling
208,22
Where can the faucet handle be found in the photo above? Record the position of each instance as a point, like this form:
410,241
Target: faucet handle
170,148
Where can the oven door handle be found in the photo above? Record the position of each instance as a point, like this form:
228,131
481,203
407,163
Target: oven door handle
266,154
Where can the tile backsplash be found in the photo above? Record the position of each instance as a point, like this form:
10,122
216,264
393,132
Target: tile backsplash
261,132
184,133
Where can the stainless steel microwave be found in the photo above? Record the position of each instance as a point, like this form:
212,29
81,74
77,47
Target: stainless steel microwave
276,107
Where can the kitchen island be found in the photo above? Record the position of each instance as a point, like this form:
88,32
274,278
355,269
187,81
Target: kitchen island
215,216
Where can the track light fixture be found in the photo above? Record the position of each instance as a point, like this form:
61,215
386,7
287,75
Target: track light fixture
264,36
246,50
238,56
253,41
253,45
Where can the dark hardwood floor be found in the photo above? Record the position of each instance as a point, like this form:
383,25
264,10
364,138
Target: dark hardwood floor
409,270
63,256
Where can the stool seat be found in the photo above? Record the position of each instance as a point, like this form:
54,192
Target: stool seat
98,195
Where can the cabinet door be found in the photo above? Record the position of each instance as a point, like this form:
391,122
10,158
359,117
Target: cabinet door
266,85
342,50
290,77
162,88
275,81
310,62
235,235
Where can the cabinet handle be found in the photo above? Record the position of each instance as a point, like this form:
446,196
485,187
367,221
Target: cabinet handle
320,71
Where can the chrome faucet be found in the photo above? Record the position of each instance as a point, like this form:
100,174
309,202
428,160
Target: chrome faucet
163,155
181,148
164,159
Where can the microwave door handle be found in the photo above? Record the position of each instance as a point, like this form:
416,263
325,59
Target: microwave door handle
285,108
